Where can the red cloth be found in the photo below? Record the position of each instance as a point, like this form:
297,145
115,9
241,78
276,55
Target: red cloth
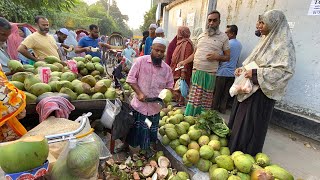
60,105
171,48
182,51
13,42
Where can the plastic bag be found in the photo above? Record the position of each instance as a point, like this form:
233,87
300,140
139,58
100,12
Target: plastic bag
80,159
241,85
177,85
110,112
184,88
123,122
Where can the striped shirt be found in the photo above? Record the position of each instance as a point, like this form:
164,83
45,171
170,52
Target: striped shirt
151,80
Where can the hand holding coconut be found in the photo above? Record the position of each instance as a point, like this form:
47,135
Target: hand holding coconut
88,49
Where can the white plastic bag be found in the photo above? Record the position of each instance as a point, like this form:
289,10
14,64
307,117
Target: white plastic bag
110,112
80,159
241,85
177,85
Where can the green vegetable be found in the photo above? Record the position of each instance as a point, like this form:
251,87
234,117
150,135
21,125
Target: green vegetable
210,120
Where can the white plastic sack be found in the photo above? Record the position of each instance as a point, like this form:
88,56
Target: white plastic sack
177,85
241,85
110,112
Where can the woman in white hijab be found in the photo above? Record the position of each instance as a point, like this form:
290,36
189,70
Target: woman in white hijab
274,62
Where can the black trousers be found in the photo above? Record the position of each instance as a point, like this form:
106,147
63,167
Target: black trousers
221,92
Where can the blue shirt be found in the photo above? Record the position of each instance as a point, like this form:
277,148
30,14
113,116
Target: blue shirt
88,41
128,53
147,46
227,68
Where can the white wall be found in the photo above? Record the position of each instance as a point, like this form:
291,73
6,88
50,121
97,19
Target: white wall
199,7
303,94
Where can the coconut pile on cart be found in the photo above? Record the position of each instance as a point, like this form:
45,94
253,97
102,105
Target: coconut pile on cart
200,146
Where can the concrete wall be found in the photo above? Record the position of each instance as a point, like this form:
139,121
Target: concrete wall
170,22
303,95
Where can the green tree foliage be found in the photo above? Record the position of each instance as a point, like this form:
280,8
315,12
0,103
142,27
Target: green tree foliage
106,23
149,18
49,4
72,14
120,19
19,13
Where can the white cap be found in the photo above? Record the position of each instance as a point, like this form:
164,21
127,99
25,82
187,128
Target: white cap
153,26
64,31
159,30
159,40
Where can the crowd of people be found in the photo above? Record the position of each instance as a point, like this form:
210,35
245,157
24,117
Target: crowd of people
28,45
207,62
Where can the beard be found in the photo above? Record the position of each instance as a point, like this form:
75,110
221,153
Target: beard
44,30
257,33
60,40
212,30
156,61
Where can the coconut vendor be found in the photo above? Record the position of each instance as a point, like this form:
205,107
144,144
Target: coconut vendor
147,77
92,41
42,44
12,100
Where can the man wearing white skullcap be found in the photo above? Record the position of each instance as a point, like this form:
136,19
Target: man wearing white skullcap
60,37
147,77
160,33
152,35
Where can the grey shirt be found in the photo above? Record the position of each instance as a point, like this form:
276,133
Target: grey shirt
4,57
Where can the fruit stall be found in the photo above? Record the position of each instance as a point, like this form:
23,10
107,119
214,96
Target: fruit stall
191,147
199,146
88,89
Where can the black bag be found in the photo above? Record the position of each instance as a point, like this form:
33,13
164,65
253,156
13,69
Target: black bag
123,122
